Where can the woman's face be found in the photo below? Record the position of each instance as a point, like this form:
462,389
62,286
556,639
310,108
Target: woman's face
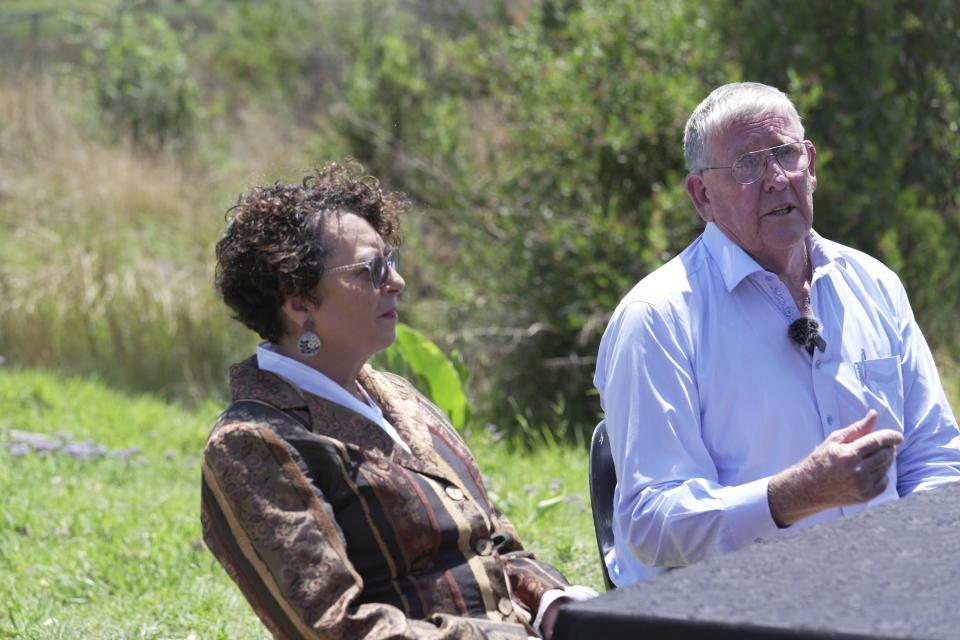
355,320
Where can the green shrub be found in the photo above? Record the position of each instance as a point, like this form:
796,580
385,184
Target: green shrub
877,84
141,80
582,197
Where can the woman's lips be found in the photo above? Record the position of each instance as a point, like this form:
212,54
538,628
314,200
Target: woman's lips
392,314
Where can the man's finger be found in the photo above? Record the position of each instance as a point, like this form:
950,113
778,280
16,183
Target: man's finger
879,460
873,442
858,429
879,485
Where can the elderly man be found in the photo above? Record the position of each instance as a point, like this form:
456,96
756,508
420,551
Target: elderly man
766,377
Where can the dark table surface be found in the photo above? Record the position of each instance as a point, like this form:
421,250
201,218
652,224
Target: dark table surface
891,571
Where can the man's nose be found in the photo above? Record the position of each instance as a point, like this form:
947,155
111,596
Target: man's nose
774,177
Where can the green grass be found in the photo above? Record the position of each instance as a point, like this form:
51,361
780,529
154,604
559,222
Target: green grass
110,547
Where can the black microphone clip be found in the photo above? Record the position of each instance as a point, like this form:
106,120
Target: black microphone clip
806,333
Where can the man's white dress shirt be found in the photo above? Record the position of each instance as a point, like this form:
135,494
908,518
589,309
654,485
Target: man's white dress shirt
706,396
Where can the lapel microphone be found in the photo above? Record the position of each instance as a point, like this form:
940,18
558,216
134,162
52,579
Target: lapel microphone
806,333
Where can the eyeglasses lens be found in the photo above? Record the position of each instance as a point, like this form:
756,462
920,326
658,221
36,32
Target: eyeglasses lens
792,157
380,267
378,271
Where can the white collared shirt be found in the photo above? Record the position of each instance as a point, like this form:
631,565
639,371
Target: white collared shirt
312,381
706,397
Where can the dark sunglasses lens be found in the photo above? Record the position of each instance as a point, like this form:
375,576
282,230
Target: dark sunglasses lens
378,271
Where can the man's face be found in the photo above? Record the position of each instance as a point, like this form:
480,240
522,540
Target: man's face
770,217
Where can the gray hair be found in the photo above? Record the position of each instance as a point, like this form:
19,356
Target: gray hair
728,104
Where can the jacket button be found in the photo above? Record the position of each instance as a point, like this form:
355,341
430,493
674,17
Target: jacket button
483,546
454,492
504,606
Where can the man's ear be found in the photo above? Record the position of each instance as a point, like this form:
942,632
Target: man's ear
699,195
812,169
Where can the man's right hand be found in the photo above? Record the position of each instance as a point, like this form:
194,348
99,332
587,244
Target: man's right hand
849,467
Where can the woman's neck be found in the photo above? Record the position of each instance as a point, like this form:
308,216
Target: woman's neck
337,367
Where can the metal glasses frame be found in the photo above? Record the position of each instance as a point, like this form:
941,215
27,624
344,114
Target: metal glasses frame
391,260
769,151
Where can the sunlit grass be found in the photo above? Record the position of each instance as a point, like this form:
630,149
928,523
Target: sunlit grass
109,546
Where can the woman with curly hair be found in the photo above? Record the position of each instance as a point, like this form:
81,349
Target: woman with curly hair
339,499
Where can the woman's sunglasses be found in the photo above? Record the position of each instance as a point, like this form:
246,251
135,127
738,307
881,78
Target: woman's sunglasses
379,267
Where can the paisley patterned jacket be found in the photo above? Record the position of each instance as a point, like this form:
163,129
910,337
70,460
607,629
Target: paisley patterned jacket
331,531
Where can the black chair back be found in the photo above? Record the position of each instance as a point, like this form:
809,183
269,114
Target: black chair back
603,480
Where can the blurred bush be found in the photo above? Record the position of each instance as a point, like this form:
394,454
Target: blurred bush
878,86
540,139
141,80
584,193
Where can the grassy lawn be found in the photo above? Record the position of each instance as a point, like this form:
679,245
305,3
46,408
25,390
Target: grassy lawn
99,529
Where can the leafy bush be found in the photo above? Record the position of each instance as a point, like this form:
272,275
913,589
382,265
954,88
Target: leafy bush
877,83
582,196
142,80
541,141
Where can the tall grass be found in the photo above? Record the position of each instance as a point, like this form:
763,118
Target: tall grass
107,262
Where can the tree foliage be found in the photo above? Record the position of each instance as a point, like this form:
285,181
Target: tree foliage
878,84
542,140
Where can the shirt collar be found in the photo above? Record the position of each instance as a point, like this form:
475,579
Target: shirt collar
736,264
312,381
823,254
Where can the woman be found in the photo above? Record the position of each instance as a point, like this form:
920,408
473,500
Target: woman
339,499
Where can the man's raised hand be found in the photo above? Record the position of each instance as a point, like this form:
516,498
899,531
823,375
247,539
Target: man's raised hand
849,467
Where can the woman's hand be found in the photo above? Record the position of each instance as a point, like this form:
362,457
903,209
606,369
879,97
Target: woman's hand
550,617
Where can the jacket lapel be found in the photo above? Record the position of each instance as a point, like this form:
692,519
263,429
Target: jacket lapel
399,403
402,406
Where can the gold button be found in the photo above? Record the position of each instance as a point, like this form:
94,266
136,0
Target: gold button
483,546
504,606
454,492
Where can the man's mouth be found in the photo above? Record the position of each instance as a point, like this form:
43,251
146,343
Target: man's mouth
781,211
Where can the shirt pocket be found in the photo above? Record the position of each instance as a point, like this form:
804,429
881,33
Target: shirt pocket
883,387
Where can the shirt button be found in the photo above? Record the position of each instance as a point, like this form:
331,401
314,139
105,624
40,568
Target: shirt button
504,606
483,546
830,420
454,492
817,364
769,278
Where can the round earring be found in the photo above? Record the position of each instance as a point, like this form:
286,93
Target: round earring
309,343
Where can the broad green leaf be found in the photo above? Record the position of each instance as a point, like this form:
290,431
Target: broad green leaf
415,356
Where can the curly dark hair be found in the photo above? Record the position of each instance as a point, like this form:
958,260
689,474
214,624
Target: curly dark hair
275,243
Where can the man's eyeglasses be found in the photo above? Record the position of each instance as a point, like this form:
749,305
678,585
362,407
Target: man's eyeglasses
792,157
379,268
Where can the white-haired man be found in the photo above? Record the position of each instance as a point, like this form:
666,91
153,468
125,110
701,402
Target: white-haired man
766,377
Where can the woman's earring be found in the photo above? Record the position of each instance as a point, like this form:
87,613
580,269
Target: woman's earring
309,343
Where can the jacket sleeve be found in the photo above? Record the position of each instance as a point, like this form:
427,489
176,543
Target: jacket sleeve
529,577
275,534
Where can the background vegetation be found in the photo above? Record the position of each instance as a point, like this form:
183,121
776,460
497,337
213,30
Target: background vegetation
541,141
